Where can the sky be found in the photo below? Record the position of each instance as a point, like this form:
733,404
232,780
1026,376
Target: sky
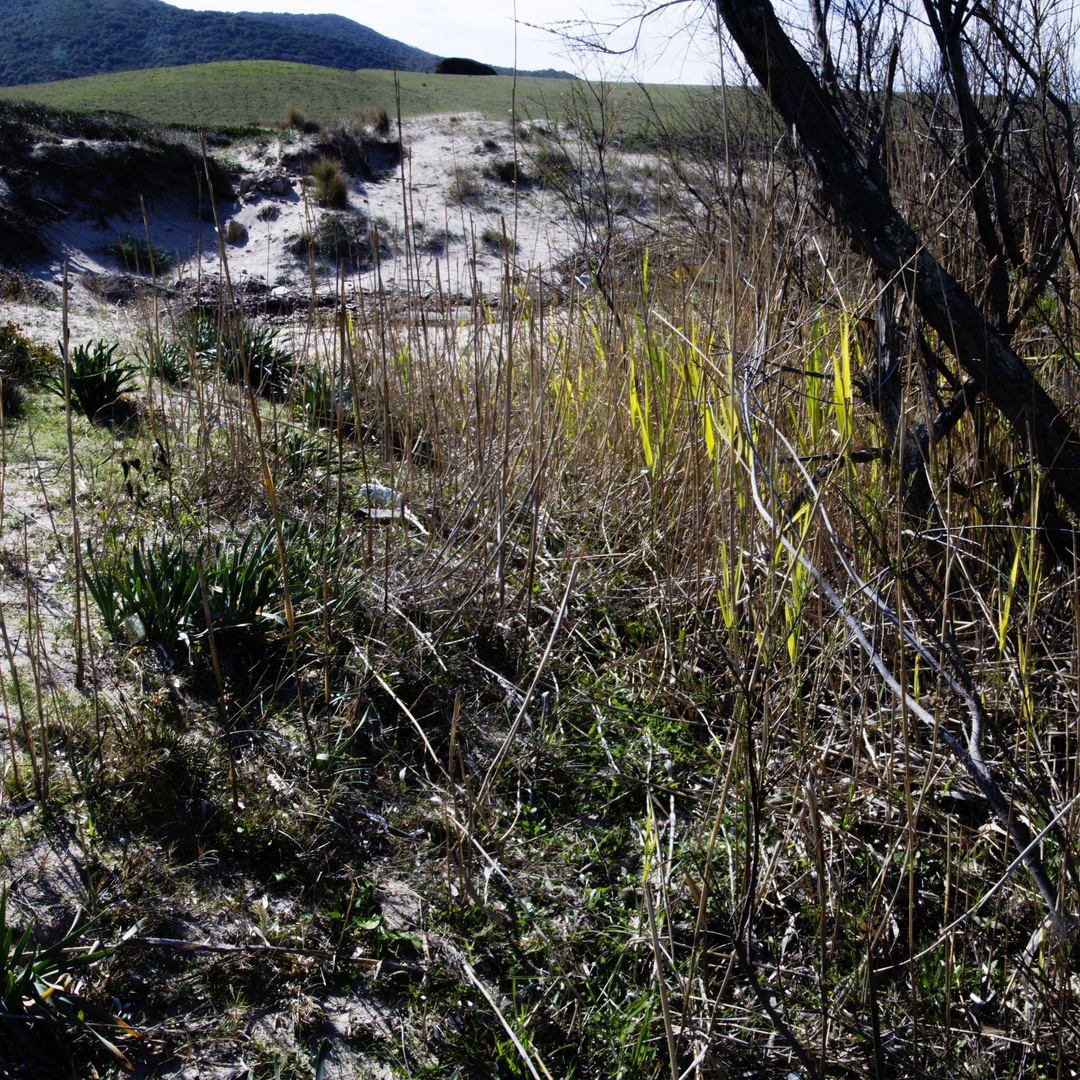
677,45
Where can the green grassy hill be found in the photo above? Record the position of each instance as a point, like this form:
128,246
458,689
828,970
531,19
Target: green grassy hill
243,93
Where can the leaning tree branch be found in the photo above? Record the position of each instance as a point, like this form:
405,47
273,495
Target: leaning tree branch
878,231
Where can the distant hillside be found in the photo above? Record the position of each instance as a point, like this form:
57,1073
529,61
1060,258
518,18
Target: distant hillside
48,40
45,40
351,33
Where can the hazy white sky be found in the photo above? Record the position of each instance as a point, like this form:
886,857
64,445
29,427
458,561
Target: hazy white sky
675,46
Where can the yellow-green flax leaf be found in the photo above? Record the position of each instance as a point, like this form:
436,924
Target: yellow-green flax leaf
637,418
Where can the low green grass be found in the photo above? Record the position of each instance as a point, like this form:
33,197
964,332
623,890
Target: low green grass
243,93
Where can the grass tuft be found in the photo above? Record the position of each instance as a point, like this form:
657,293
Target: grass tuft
139,256
331,188
493,239
508,172
464,187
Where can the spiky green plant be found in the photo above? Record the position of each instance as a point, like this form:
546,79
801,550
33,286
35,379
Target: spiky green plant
139,256
154,593
245,585
252,350
97,376
324,403
228,346
40,1003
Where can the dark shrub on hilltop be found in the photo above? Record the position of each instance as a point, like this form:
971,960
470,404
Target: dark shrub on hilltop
460,65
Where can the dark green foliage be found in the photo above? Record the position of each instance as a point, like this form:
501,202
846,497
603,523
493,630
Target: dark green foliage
461,65
171,362
20,358
394,53
199,340
493,239
339,238
41,40
509,172
97,376
553,167
37,1002
139,256
300,452
317,394
21,361
155,593
194,340
269,368
245,585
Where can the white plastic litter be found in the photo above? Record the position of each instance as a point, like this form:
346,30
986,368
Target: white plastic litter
380,496
384,504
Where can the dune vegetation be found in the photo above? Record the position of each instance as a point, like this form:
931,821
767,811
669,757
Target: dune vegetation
667,667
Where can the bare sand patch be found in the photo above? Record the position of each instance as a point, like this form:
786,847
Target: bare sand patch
448,219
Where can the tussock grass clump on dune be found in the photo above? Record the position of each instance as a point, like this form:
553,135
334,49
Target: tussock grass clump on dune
554,167
139,256
296,119
494,239
464,186
359,153
331,186
344,239
374,121
379,119
509,172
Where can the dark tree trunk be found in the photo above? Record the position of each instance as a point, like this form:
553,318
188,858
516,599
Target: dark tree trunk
879,232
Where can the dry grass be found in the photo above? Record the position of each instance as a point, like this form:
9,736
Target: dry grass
293,117
331,188
464,186
607,757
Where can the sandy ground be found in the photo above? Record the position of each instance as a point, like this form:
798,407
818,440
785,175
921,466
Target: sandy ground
432,239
